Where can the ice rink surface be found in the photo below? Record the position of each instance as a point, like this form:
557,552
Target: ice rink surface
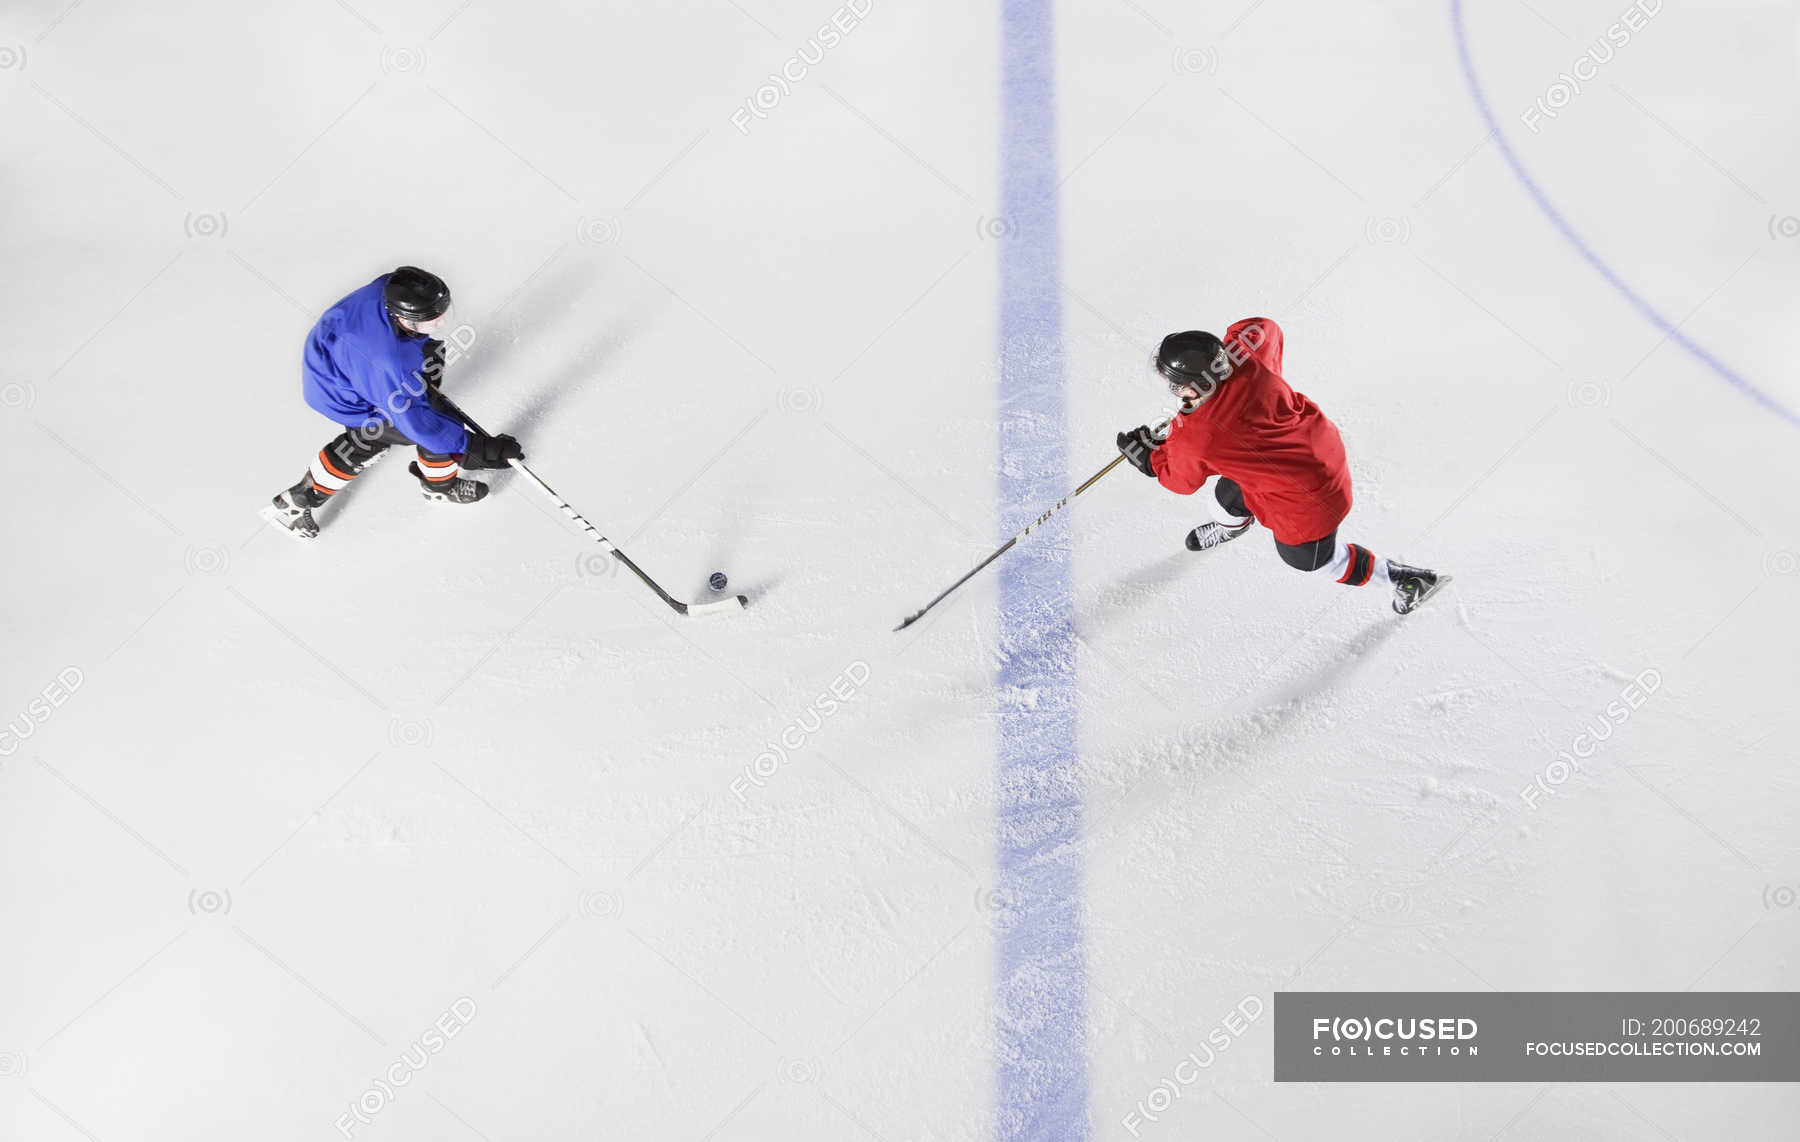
289,808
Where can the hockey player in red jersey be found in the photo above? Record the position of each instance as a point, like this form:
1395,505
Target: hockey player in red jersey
1278,459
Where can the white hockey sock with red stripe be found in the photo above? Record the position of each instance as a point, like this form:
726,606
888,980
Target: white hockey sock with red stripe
1352,565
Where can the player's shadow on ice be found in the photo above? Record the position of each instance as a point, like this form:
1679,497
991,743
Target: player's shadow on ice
527,313
1264,715
1240,736
543,401
1134,589
547,302
1293,696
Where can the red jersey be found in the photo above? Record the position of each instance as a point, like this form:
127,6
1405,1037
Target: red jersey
1284,452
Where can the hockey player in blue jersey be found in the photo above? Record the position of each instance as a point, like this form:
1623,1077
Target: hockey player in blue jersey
373,364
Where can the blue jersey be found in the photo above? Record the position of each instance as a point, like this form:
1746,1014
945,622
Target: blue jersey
358,366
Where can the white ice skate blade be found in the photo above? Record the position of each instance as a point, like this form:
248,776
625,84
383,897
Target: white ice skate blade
1442,582
274,517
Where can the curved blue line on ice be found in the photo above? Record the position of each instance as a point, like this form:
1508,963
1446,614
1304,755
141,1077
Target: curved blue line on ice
1667,327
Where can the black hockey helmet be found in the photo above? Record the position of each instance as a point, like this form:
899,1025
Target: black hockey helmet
416,295
1193,358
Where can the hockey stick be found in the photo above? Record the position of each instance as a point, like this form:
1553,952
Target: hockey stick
735,602
1008,545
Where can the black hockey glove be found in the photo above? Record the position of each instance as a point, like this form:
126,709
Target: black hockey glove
1136,447
433,368
491,451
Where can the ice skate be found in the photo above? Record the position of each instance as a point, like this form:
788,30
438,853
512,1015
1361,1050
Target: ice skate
291,511
458,490
1210,535
1413,585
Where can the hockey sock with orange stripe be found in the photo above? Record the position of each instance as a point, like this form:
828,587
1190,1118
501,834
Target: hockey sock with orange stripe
437,469
330,475
341,461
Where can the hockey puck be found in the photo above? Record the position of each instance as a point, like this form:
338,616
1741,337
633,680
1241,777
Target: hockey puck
717,581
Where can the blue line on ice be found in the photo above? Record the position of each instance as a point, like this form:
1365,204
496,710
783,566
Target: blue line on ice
1556,218
1040,1034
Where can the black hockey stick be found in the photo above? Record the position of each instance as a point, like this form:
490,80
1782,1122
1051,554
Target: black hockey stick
735,602
1008,545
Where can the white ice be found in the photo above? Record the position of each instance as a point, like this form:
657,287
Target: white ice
304,801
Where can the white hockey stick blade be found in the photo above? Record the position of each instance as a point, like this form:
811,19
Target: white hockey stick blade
735,603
